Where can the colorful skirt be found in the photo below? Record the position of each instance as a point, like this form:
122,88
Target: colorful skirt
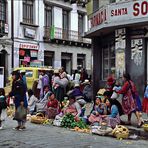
145,105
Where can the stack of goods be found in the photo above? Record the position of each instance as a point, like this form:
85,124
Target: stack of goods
120,132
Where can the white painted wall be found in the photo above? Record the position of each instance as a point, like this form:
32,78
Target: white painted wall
74,18
57,12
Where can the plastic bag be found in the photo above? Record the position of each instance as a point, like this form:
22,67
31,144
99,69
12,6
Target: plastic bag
20,114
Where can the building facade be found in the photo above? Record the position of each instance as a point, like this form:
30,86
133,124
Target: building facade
5,39
48,33
119,32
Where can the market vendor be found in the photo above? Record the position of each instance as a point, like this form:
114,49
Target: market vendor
53,107
74,107
113,117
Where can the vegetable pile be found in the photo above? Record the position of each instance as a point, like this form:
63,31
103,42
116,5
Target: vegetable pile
68,121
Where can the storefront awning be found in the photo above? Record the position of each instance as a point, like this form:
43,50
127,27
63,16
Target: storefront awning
118,15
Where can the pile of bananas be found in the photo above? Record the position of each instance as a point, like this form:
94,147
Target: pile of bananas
120,132
145,126
48,122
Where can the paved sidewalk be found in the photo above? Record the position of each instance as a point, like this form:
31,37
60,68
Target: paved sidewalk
39,136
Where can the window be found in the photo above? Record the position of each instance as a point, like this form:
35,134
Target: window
65,19
108,60
28,11
2,15
29,73
65,24
112,1
48,16
80,23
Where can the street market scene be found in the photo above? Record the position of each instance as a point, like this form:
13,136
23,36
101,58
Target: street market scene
73,73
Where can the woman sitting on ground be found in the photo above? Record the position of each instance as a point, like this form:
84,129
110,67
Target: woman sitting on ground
32,100
53,107
113,117
98,110
73,108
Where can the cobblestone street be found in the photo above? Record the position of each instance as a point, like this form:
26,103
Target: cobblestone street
39,136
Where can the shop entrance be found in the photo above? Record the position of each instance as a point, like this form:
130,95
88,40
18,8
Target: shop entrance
81,61
3,63
66,61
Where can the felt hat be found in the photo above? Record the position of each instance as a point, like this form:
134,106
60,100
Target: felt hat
86,81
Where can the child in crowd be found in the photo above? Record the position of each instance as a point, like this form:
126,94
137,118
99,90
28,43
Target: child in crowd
3,106
20,116
53,107
116,88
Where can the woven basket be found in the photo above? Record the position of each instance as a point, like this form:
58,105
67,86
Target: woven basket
122,135
145,127
38,118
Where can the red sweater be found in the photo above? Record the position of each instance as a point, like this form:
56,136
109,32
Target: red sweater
53,104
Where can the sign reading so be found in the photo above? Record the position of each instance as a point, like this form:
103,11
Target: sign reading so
140,8
120,12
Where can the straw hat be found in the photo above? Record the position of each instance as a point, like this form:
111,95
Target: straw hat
56,71
86,81
77,85
101,91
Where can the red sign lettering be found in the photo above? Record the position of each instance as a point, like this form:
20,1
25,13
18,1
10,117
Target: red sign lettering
98,18
140,9
118,12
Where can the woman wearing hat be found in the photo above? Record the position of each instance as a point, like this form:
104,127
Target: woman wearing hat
18,94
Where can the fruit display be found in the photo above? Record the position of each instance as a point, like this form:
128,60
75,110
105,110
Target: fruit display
120,132
145,127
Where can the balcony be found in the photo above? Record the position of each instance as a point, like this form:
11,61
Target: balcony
54,33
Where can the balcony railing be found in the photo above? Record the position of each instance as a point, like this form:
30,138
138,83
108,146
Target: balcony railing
64,34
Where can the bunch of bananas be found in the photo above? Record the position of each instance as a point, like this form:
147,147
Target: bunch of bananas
120,132
48,122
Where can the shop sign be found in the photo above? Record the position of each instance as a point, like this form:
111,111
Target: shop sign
29,33
99,17
120,12
34,53
28,46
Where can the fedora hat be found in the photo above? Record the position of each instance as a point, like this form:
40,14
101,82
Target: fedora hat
86,81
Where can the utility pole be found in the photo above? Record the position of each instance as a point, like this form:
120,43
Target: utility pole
12,32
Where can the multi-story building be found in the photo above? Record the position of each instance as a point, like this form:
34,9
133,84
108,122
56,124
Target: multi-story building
48,33
5,38
119,32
